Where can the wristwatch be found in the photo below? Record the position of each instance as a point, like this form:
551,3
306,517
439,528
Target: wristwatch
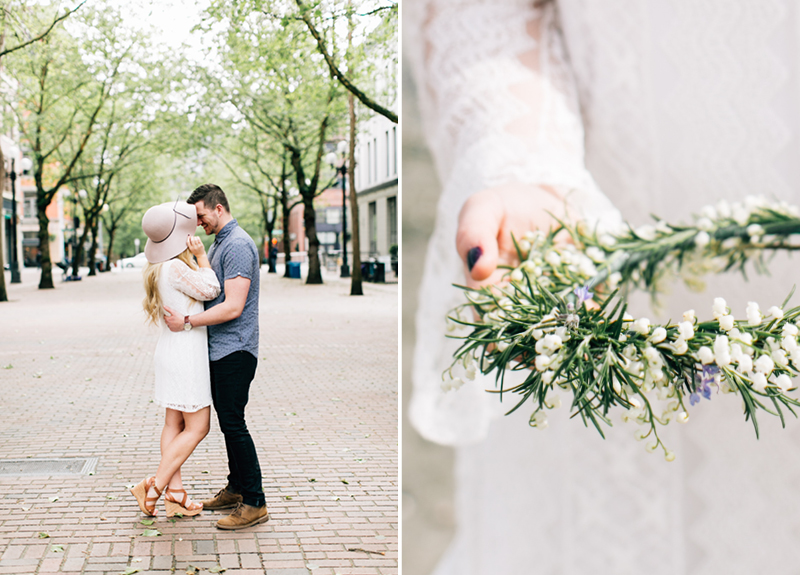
187,325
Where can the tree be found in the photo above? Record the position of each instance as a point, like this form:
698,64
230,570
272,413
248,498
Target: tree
12,24
280,86
306,14
62,88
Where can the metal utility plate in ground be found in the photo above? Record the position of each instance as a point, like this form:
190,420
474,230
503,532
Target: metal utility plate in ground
46,467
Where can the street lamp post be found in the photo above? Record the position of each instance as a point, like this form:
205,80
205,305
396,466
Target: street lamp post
342,170
26,165
75,276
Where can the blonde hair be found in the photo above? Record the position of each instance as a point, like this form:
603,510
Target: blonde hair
152,297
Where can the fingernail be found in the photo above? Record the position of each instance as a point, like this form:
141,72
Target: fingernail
473,256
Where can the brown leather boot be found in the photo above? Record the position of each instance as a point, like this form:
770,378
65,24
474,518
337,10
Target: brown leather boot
244,516
224,499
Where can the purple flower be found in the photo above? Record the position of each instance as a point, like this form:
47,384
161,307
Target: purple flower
582,293
694,398
704,381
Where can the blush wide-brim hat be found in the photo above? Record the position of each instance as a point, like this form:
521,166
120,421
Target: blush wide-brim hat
167,226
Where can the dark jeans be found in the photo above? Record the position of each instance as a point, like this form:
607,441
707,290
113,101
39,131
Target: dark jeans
230,387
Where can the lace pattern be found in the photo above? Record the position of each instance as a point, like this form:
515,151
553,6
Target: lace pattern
182,377
678,105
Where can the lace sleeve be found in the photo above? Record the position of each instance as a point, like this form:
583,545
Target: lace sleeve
201,284
499,105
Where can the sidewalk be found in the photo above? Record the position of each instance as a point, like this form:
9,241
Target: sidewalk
76,380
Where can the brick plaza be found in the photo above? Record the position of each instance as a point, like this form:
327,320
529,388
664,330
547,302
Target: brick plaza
76,381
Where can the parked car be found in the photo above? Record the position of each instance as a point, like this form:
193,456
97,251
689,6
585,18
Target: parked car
137,261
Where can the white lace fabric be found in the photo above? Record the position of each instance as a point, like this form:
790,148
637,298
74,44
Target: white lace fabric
182,378
666,107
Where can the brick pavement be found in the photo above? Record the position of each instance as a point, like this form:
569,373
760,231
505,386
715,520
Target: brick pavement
76,380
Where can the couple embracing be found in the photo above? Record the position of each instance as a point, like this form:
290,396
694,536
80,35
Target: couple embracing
206,353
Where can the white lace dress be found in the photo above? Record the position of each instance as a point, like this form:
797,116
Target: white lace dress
665,107
182,375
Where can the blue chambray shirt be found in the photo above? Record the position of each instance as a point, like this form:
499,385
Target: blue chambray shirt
234,254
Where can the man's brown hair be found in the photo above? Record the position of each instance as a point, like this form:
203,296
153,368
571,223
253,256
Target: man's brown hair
210,195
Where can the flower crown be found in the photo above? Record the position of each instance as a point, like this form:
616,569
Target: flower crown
560,317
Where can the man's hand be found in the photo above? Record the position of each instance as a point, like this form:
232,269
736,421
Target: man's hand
174,321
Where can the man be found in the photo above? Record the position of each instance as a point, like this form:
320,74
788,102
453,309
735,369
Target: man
232,320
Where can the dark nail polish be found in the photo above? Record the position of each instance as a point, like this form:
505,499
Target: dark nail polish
473,256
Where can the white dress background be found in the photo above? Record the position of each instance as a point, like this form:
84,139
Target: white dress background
183,381
665,107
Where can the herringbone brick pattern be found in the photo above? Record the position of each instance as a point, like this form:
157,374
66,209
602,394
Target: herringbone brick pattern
76,380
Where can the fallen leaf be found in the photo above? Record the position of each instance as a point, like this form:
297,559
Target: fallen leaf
205,470
131,571
130,486
114,496
54,499
151,533
191,570
9,366
147,522
57,549
312,480
38,375
345,481
287,497
89,378
43,535
217,570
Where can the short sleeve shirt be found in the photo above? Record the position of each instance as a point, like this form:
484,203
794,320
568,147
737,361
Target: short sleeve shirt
234,254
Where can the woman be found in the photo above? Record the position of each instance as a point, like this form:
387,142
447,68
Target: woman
666,107
182,381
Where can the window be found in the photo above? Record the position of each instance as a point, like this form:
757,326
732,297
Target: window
394,150
375,157
391,219
388,156
373,228
332,216
369,163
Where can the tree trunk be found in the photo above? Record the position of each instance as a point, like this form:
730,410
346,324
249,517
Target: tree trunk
287,248
77,251
355,278
46,280
92,248
310,223
110,246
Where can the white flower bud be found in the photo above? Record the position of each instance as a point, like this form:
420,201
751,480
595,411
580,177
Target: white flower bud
753,314
754,231
680,346
471,372
542,362
779,357
775,312
720,307
765,365
613,280
659,334
502,346
669,456
547,377
740,214
745,364
702,239
553,259
552,400
517,275
709,212
722,351
704,224
524,247
641,325
646,232
596,254
651,447
705,355
784,382
686,330
723,209
689,315
789,343
759,382
540,419
789,330
726,322
683,417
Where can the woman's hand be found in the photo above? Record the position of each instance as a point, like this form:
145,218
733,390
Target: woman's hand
195,246
490,217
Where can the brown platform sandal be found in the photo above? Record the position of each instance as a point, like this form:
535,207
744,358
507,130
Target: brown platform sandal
175,506
140,490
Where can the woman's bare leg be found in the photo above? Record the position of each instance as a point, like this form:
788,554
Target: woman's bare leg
178,443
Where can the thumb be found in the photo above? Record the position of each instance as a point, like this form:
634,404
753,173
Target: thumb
476,239
169,311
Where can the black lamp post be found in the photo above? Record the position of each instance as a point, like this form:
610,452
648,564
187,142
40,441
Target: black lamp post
342,170
15,279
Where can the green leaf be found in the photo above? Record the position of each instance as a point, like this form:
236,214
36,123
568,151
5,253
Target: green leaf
57,549
217,570
151,533
147,522
43,535
130,571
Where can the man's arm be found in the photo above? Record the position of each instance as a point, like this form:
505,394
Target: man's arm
236,290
